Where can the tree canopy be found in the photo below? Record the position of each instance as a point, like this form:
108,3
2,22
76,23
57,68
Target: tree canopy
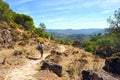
6,14
108,43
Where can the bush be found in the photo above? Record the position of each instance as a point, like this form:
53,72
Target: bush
26,36
38,39
89,49
68,42
14,25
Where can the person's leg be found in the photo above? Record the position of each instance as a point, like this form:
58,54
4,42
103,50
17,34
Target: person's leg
41,53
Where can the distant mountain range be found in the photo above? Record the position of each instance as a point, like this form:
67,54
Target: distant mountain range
77,31
75,34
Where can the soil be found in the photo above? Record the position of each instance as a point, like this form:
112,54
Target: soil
25,71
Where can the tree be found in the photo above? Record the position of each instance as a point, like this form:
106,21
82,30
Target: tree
24,20
114,23
42,26
6,14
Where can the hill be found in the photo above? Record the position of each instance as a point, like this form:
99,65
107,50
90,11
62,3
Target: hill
71,36
75,34
77,31
20,58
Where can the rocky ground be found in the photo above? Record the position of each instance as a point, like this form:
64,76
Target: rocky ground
20,59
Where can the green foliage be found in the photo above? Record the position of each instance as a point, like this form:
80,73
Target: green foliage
86,43
108,43
104,43
42,27
114,23
26,36
6,14
114,30
60,41
24,20
89,49
14,25
68,42
38,39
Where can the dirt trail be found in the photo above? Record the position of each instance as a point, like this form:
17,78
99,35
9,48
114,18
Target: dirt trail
24,72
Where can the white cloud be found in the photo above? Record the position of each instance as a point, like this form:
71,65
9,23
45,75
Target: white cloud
75,23
84,25
55,20
57,2
105,11
17,2
24,1
101,3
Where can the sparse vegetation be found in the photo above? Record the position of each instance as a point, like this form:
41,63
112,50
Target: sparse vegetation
24,42
17,52
17,32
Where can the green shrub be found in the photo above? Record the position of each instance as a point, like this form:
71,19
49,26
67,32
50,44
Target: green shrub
38,39
14,25
26,36
89,49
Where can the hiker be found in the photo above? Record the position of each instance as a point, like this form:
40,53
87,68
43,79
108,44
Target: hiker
41,48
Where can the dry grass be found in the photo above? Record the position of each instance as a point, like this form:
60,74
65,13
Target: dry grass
75,55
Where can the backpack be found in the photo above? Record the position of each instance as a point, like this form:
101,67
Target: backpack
40,47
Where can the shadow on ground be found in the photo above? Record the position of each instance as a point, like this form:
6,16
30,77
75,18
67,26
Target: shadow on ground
31,58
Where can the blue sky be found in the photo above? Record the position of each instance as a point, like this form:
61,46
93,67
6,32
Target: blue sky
67,14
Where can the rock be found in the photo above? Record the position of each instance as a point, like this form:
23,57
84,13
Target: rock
100,53
54,52
112,64
45,65
98,75
91,75
65,54
55,68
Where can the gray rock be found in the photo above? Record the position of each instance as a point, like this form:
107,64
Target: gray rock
55,68
98,75
91,75
112,64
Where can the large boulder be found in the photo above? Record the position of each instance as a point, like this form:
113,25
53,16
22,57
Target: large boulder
112,64
55,68
98,75
91,75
